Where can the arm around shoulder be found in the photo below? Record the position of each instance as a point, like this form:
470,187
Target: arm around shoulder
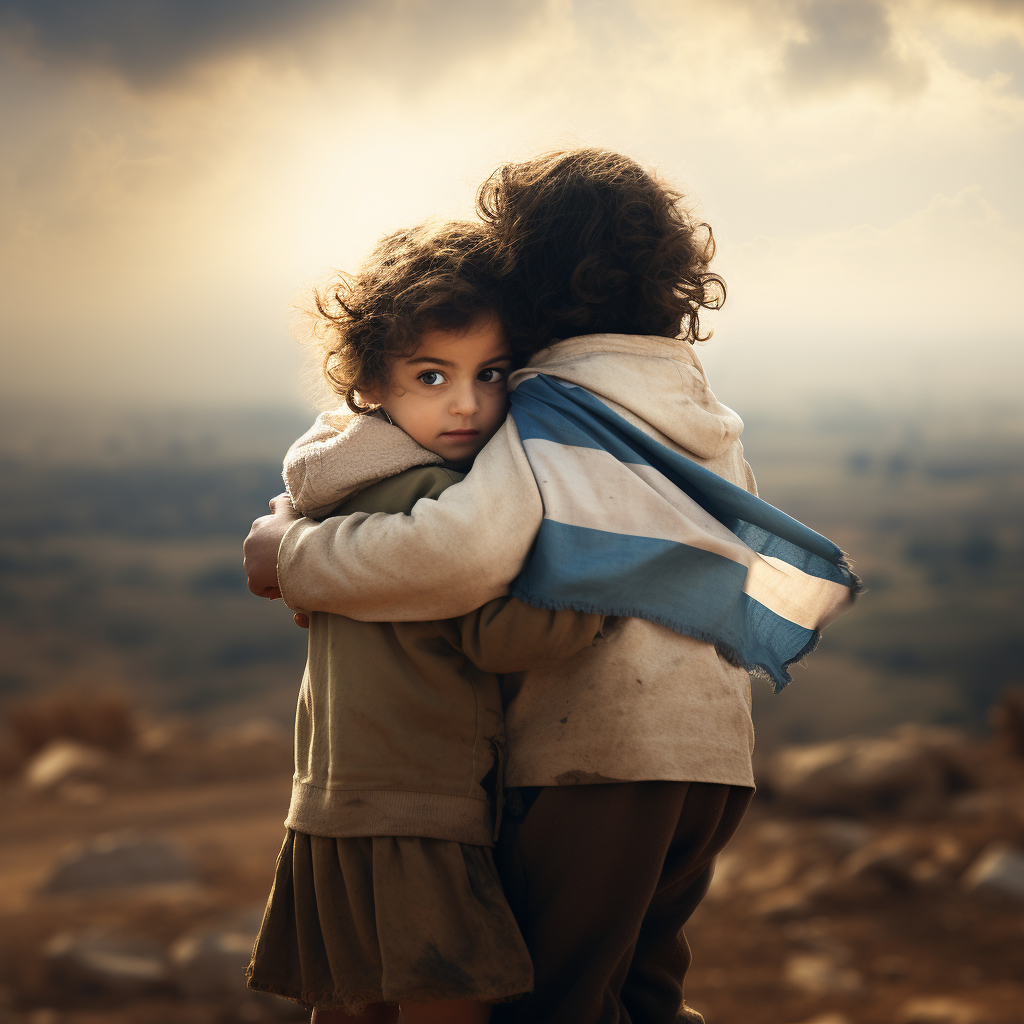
445,558
506,635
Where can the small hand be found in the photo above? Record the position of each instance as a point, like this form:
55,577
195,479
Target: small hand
261,546
301,620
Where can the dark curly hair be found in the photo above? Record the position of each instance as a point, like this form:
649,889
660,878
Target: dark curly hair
434,276
591,243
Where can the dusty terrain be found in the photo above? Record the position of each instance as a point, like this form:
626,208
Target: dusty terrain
218,798
851,894
119,566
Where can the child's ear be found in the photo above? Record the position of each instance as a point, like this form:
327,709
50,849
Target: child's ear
369,395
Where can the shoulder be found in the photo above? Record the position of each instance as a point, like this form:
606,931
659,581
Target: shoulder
400,492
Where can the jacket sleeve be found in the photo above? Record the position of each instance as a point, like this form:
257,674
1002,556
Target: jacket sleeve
506,635
398,494
445,558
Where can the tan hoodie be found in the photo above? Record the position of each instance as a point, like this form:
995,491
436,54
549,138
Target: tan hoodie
399,725
646,702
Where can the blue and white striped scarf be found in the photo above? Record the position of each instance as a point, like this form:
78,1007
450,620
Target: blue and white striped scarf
633,528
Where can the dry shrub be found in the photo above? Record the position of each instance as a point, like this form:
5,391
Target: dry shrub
103,719
1007,718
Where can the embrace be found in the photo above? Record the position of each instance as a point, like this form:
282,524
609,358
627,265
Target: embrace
537,579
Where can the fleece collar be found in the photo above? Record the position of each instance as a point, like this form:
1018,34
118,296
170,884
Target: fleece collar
343,453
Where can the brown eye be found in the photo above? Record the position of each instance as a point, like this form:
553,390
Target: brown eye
490,375
431,378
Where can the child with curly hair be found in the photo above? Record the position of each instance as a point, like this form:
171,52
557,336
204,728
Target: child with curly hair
617,485
386,892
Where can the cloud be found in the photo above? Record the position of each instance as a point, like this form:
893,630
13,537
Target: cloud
945,271
151,43
148,42
925,305
980,21
847,42
170,221
1010,9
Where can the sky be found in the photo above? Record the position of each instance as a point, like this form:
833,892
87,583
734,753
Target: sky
174,174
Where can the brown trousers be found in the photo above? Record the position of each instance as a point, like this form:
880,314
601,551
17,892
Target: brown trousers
601,879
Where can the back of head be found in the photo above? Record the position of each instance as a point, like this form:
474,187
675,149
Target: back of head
433,276
592,243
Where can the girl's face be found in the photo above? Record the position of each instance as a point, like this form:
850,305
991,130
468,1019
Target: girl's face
449,394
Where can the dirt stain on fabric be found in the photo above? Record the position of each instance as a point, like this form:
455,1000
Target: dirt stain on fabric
448,976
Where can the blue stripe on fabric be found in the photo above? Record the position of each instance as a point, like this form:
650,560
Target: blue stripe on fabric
595,571
546,410
767,544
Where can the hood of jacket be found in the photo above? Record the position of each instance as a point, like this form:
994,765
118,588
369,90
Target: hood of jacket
657,380
343,453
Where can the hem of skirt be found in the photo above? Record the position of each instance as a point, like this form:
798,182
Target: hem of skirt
356,1003
274,990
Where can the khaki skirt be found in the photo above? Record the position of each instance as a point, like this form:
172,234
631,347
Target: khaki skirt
387,919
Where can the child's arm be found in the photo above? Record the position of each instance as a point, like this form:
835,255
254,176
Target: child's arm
506,635
447,557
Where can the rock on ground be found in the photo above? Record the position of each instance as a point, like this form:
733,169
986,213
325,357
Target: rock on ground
911,769
939,1010
211,962
820,974
998,871
95,964
120,859
63,760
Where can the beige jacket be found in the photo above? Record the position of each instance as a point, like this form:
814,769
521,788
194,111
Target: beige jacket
645,703
399,725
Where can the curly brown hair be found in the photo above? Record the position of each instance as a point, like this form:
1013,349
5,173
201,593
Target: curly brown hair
430,277
592,243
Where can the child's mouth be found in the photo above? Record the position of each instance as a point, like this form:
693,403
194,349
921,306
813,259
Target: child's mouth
460,435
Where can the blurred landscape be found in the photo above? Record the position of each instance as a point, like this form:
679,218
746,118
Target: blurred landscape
174,177
120,561
147,698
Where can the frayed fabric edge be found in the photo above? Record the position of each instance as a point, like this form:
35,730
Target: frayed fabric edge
355,1004
856,583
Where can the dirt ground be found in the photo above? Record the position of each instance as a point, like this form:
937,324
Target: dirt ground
812,917
885,946
233,829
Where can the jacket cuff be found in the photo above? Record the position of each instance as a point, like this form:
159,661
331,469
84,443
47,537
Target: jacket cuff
286,549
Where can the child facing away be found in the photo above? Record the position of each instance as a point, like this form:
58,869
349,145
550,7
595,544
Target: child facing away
386,892
617,484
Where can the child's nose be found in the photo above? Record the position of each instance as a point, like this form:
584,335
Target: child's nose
464,401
